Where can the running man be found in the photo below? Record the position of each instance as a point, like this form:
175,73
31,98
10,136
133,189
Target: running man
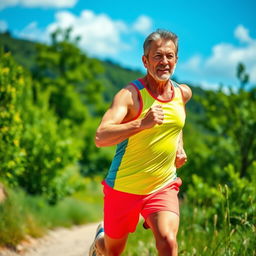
145,121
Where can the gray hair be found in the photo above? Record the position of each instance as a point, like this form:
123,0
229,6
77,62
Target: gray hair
160,34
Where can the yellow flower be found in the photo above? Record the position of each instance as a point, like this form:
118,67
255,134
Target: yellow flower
23,152
58,160
16,117
21,81
5,70
4,129
16,143
11,164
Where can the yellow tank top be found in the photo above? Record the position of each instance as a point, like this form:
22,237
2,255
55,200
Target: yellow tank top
145,162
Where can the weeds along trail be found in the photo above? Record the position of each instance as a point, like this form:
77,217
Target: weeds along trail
60,242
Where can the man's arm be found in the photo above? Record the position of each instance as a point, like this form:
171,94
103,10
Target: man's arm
186,92
181,156
112,131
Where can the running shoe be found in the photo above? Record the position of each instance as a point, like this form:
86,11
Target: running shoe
99,233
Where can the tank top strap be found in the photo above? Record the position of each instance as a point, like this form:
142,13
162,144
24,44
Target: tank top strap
138,84
175,84
179,89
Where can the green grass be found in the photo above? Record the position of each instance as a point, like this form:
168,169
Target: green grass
199,236
22,215
140,243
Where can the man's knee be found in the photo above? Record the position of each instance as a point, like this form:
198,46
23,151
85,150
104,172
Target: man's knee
166,243
114,247
114,250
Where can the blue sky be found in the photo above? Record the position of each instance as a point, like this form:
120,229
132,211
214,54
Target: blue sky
213,35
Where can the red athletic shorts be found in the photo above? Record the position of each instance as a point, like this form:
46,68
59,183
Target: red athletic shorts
122,210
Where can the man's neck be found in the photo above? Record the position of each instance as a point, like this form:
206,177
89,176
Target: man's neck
160,89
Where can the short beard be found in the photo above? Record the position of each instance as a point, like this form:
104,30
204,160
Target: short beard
164,78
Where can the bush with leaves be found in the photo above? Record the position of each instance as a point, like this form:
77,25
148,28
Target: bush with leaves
235,197
12,90
36,147
75,90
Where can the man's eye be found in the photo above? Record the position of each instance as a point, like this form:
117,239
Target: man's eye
158,57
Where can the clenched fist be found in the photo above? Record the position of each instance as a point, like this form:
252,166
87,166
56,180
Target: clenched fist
155,115
181,158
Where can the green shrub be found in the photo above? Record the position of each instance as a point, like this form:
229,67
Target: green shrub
23,215
12,86
36,148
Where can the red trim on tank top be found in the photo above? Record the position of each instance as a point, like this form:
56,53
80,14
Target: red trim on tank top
141,104
163,101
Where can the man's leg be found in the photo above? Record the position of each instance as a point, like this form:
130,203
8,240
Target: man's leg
111,247
165,225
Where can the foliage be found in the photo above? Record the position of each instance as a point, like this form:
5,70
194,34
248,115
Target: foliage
216,220
225,154
70,76
223,134
47,126
24,51
116,77
219,220
218,202
200,195
23,215
232,118
35,147
75,93
12,88
94,160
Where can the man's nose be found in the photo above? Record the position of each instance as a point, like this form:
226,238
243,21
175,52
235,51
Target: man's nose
164,59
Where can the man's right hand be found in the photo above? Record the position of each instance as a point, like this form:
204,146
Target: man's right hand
155,115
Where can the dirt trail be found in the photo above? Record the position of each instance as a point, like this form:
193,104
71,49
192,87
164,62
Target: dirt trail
60,242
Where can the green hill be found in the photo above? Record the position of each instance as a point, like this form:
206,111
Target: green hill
114,76
24,51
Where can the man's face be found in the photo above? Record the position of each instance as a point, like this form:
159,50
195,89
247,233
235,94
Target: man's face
161,59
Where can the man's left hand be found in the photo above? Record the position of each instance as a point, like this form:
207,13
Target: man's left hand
181,158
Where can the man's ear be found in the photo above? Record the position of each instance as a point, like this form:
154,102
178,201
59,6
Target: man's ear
145,61
176,60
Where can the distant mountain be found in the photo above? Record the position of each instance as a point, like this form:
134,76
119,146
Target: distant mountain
23,51
115,76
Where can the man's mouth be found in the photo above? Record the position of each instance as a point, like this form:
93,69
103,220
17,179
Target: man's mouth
163,69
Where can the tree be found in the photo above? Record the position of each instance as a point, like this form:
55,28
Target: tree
73,83
12,89
70,77
36,148
231,116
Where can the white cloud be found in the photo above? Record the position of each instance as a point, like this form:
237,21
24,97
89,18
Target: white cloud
38,3
34,33
193,63
3,26
143,24
242,34
222,64
209,85
100,35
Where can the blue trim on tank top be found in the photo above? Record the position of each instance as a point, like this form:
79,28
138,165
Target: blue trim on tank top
138,84
120,150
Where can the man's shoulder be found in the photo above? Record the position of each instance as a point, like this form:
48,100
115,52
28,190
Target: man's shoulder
135,86
129,93
186,91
